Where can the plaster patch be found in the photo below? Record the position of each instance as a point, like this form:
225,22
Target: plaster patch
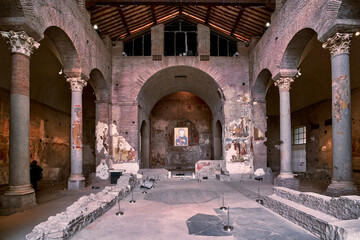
102,171
101,137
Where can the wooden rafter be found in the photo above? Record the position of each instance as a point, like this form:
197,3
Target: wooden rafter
241,3
208,12
123,19
153,14
241,12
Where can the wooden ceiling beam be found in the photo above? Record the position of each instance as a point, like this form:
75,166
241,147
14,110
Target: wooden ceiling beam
241,3
208,12
123,19
241,12
153,14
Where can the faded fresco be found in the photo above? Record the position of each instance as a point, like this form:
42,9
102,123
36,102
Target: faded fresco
237,144
239,128
209,168
122,150
102,145
77,128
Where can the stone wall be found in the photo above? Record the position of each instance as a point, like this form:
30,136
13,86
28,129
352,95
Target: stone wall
49,139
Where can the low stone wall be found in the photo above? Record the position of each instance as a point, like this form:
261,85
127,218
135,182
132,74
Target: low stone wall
83,212
209,168
344,207
154,173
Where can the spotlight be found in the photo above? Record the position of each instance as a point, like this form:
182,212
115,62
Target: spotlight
236,54
298,73
124,54
61,71
357,34
267,24
96,27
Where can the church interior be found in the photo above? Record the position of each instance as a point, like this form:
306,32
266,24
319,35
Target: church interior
148,117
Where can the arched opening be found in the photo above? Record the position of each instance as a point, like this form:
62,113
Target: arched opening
88,99
260,89
144,145
218,146
180,99
180,132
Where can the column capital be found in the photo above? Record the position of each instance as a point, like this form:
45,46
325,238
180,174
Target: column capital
20,42
76,83
283,83
339,43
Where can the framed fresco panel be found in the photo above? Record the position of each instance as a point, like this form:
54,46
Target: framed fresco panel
181,136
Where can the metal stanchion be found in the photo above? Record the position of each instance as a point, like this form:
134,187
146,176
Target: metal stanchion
228,228
132,197
259,200
119,213
223,208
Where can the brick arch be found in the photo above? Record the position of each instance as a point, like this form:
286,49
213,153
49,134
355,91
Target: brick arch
174,79
187,62
294,49
99,84
73,21
69,57
261,85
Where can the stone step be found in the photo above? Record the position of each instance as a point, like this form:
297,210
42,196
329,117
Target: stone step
344,207
320,224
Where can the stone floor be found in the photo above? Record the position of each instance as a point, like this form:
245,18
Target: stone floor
186,209
185,206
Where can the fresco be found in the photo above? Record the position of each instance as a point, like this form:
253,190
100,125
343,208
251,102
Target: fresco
238,149
181,136
102,145
77,128
239,128
209,168
123,152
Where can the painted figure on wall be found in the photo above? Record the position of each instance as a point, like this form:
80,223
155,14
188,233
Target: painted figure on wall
123,151
181,138
239,128
77,128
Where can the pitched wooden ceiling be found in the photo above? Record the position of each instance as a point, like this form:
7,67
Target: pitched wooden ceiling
237,18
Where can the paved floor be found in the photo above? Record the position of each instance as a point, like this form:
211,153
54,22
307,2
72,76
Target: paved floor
186,209
159,217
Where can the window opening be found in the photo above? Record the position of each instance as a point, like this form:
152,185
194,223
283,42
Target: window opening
180,39
140,46
221,46
299,135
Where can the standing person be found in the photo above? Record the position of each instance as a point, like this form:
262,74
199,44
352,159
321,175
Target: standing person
35,174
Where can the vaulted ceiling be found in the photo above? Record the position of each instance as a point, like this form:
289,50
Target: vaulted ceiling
240,19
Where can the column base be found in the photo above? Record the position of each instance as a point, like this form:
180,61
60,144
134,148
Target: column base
341,188
76,183
13,203
288,181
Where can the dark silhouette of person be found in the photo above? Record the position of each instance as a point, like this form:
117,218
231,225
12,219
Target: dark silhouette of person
35,174
182,140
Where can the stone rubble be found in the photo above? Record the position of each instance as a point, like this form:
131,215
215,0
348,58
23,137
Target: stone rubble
83,212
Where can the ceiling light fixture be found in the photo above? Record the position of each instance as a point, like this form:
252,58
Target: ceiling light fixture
96,27
357,33
267,24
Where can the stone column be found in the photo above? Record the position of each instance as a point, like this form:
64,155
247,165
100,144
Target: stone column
76,180
20,195
286,176
342,181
